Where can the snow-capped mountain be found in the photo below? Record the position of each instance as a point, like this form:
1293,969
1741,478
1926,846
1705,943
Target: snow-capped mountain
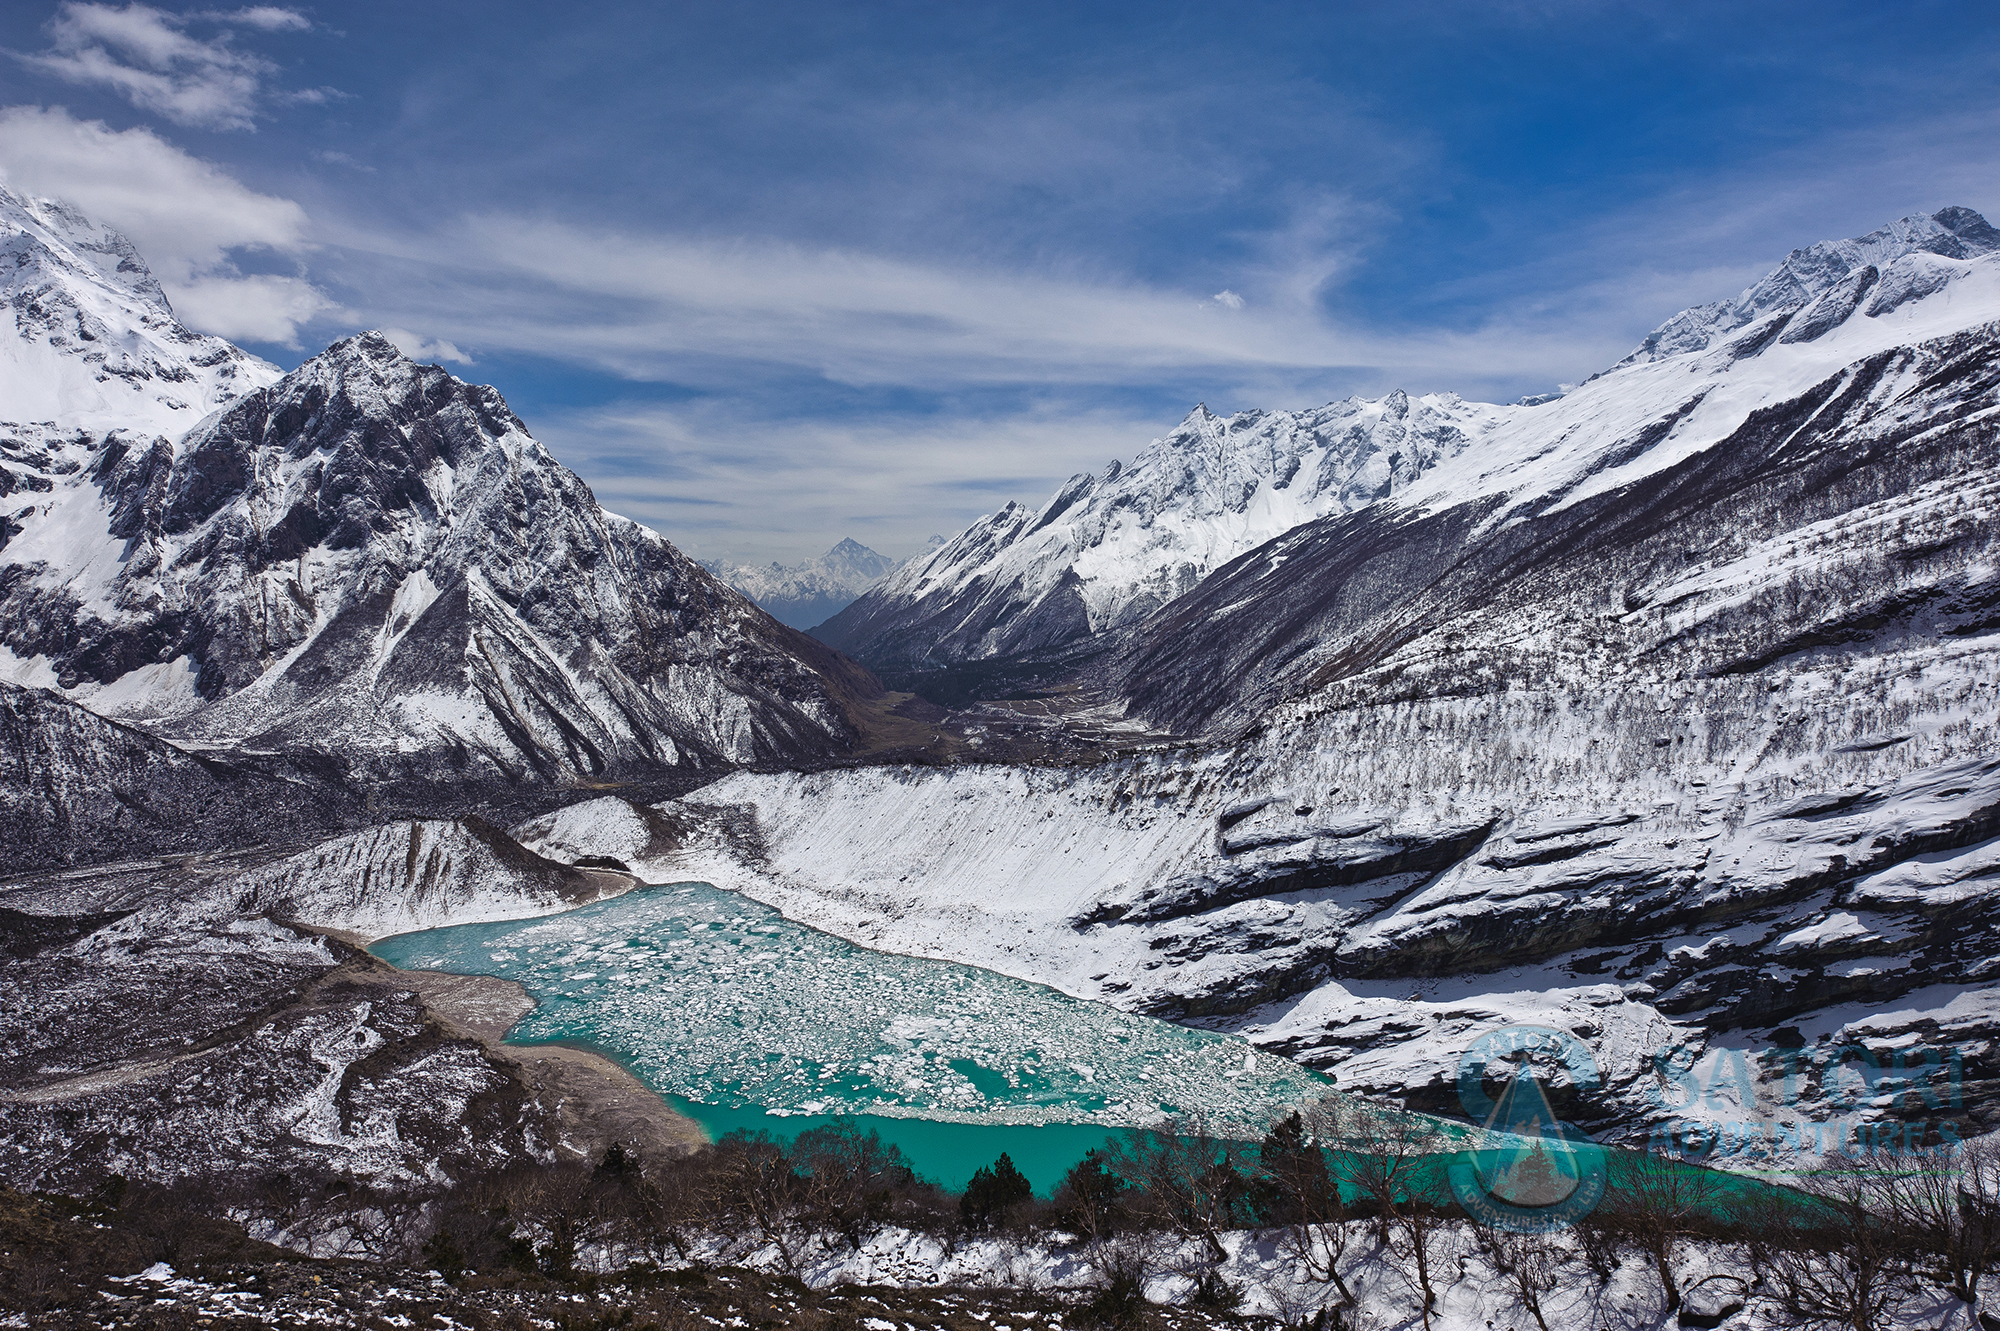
1109,549
1806,274
805,593
1665,714
96,346
1647,523
373,559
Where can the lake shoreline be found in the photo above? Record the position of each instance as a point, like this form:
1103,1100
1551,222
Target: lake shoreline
597,1102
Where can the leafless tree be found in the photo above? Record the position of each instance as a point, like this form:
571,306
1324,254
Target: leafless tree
1188,1179
1400,1169
1846,1259
751,1189
1948,1198
1659,1204
554,1200
1304,1171
1532,1265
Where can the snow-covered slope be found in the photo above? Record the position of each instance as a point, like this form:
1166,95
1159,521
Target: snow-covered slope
803,594
373,560
95,344
1668,716
396,878
1370,891
1806,274
1109,549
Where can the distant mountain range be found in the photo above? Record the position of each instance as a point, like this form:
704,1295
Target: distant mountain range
1109,550
806,593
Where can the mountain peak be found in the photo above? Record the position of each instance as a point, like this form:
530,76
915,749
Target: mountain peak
107,254
1955,232
98,345
806,593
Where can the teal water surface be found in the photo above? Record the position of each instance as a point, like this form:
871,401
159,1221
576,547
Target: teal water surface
744,1019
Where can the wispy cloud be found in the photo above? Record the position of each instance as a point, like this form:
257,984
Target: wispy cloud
148,57
190,219
418,347
728,484
664,307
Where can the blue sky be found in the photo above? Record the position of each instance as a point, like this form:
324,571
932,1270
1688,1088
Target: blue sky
770,275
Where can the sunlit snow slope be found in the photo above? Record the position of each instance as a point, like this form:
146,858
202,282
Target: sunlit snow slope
95,344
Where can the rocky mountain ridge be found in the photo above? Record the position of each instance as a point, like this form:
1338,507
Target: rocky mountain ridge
1108,551
1111,548
365,562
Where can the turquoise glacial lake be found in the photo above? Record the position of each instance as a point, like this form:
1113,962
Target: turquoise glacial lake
741,1018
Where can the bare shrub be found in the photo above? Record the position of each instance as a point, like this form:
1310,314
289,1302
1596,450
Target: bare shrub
1658,1204
1188,1180
1948,1198
1845,1257
1298,1189
1532,1265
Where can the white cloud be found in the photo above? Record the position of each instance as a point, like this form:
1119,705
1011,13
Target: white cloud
418,347
728,485
185,215
258,308
266,18
1229,298
147,56
661,306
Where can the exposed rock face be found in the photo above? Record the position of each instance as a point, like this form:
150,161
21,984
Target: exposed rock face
373,560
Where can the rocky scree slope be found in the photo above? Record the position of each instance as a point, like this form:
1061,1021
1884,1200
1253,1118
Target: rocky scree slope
374,561
77,788
187,1021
